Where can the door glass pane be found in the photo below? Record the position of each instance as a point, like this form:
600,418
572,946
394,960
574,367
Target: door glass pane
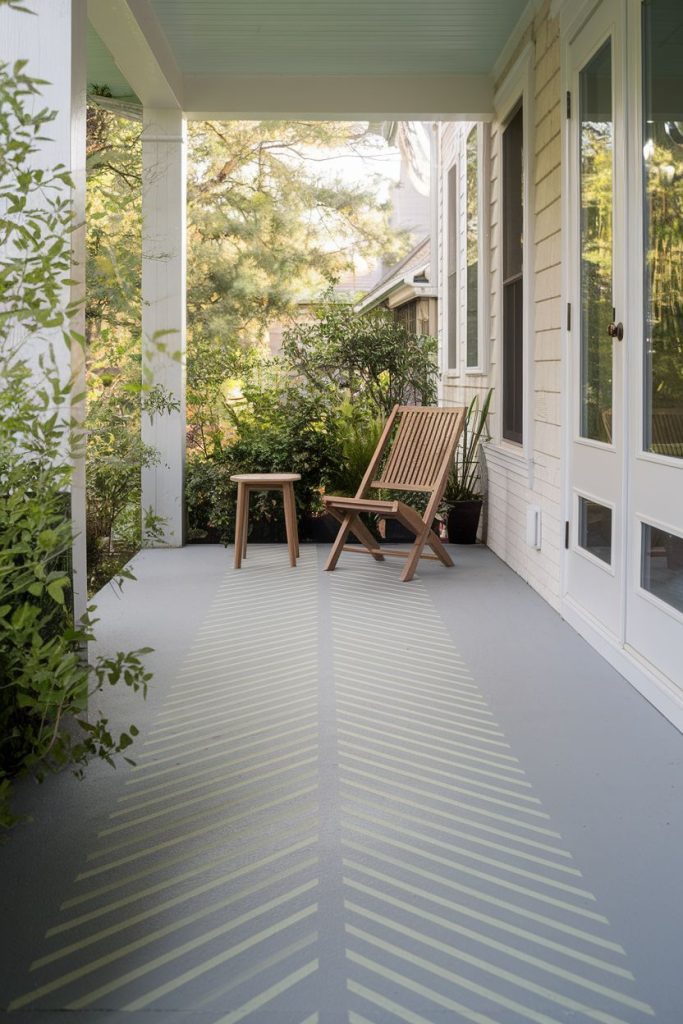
596,184
662,565
595,529
663,183
472,250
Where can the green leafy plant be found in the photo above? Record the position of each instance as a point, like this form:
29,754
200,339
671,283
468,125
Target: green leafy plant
358,433
464,480
46,683
374,359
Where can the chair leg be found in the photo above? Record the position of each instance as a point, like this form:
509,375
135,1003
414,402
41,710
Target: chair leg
340,540
413,559
439,550
290,522
365,537
239,526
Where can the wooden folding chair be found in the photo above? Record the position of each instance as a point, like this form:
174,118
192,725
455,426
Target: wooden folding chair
421,445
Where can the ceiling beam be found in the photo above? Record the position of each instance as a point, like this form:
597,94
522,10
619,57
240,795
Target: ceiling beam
346,97
130,31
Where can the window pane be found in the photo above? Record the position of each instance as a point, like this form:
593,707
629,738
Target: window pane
596,177
472,250
513,287
513,196
663,181
662,565
595,529
513,360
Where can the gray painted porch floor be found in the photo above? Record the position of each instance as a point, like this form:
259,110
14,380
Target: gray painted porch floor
354,801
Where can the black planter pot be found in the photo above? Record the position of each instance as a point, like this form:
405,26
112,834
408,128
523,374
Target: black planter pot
397,533
320,529
463,521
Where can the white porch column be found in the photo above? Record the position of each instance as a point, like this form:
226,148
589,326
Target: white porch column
163,312
53,43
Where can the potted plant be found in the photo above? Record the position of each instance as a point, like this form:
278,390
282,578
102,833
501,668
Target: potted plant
462,499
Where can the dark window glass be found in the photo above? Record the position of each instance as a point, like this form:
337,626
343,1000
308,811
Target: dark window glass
663,242
661,569
472,234
513,267
595,529
452,297
406,315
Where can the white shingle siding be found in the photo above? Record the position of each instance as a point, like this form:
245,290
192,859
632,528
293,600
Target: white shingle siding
512,489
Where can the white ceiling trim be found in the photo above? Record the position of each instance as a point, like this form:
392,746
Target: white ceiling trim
346,97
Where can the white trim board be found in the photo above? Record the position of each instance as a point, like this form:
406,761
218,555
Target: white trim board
642,676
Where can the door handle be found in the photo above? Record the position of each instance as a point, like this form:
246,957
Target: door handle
616,331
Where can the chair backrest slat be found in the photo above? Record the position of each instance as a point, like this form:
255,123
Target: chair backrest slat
423,443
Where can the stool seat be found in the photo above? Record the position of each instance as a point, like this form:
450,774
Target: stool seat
265,480
248,482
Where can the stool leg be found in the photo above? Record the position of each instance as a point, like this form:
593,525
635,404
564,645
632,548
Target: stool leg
247,496
292,502
239,525
290,522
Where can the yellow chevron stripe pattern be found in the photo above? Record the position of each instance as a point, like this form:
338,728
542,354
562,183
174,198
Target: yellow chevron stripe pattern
461,901
325,824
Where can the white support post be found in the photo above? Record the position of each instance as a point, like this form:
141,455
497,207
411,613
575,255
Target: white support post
53,43
163,316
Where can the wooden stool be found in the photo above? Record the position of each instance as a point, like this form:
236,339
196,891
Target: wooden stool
248,482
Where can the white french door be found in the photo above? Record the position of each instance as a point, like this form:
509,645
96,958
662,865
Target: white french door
595,570
624,563
654,619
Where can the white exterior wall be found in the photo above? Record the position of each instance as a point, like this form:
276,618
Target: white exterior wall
517,481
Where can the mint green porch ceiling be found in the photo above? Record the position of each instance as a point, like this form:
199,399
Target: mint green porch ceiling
101,68
337,37
359,59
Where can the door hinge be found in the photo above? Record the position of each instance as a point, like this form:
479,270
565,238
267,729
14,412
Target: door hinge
569,104
566,534
569,316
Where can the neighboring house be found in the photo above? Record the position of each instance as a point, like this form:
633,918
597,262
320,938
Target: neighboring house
407,291
557,255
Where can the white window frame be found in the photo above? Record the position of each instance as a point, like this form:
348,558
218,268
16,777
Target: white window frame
517,87
452,209
481,367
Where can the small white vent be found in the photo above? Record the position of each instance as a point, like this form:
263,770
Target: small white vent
533,527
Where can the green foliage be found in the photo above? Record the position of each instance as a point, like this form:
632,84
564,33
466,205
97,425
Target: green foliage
45,681
317,410
264,229
279,426
463,482
377,360
358,434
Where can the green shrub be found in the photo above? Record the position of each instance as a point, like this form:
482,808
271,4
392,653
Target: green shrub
370,357
45,681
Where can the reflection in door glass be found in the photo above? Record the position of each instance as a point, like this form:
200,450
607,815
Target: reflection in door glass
596,147
663,182
595,529
661,569
472,250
